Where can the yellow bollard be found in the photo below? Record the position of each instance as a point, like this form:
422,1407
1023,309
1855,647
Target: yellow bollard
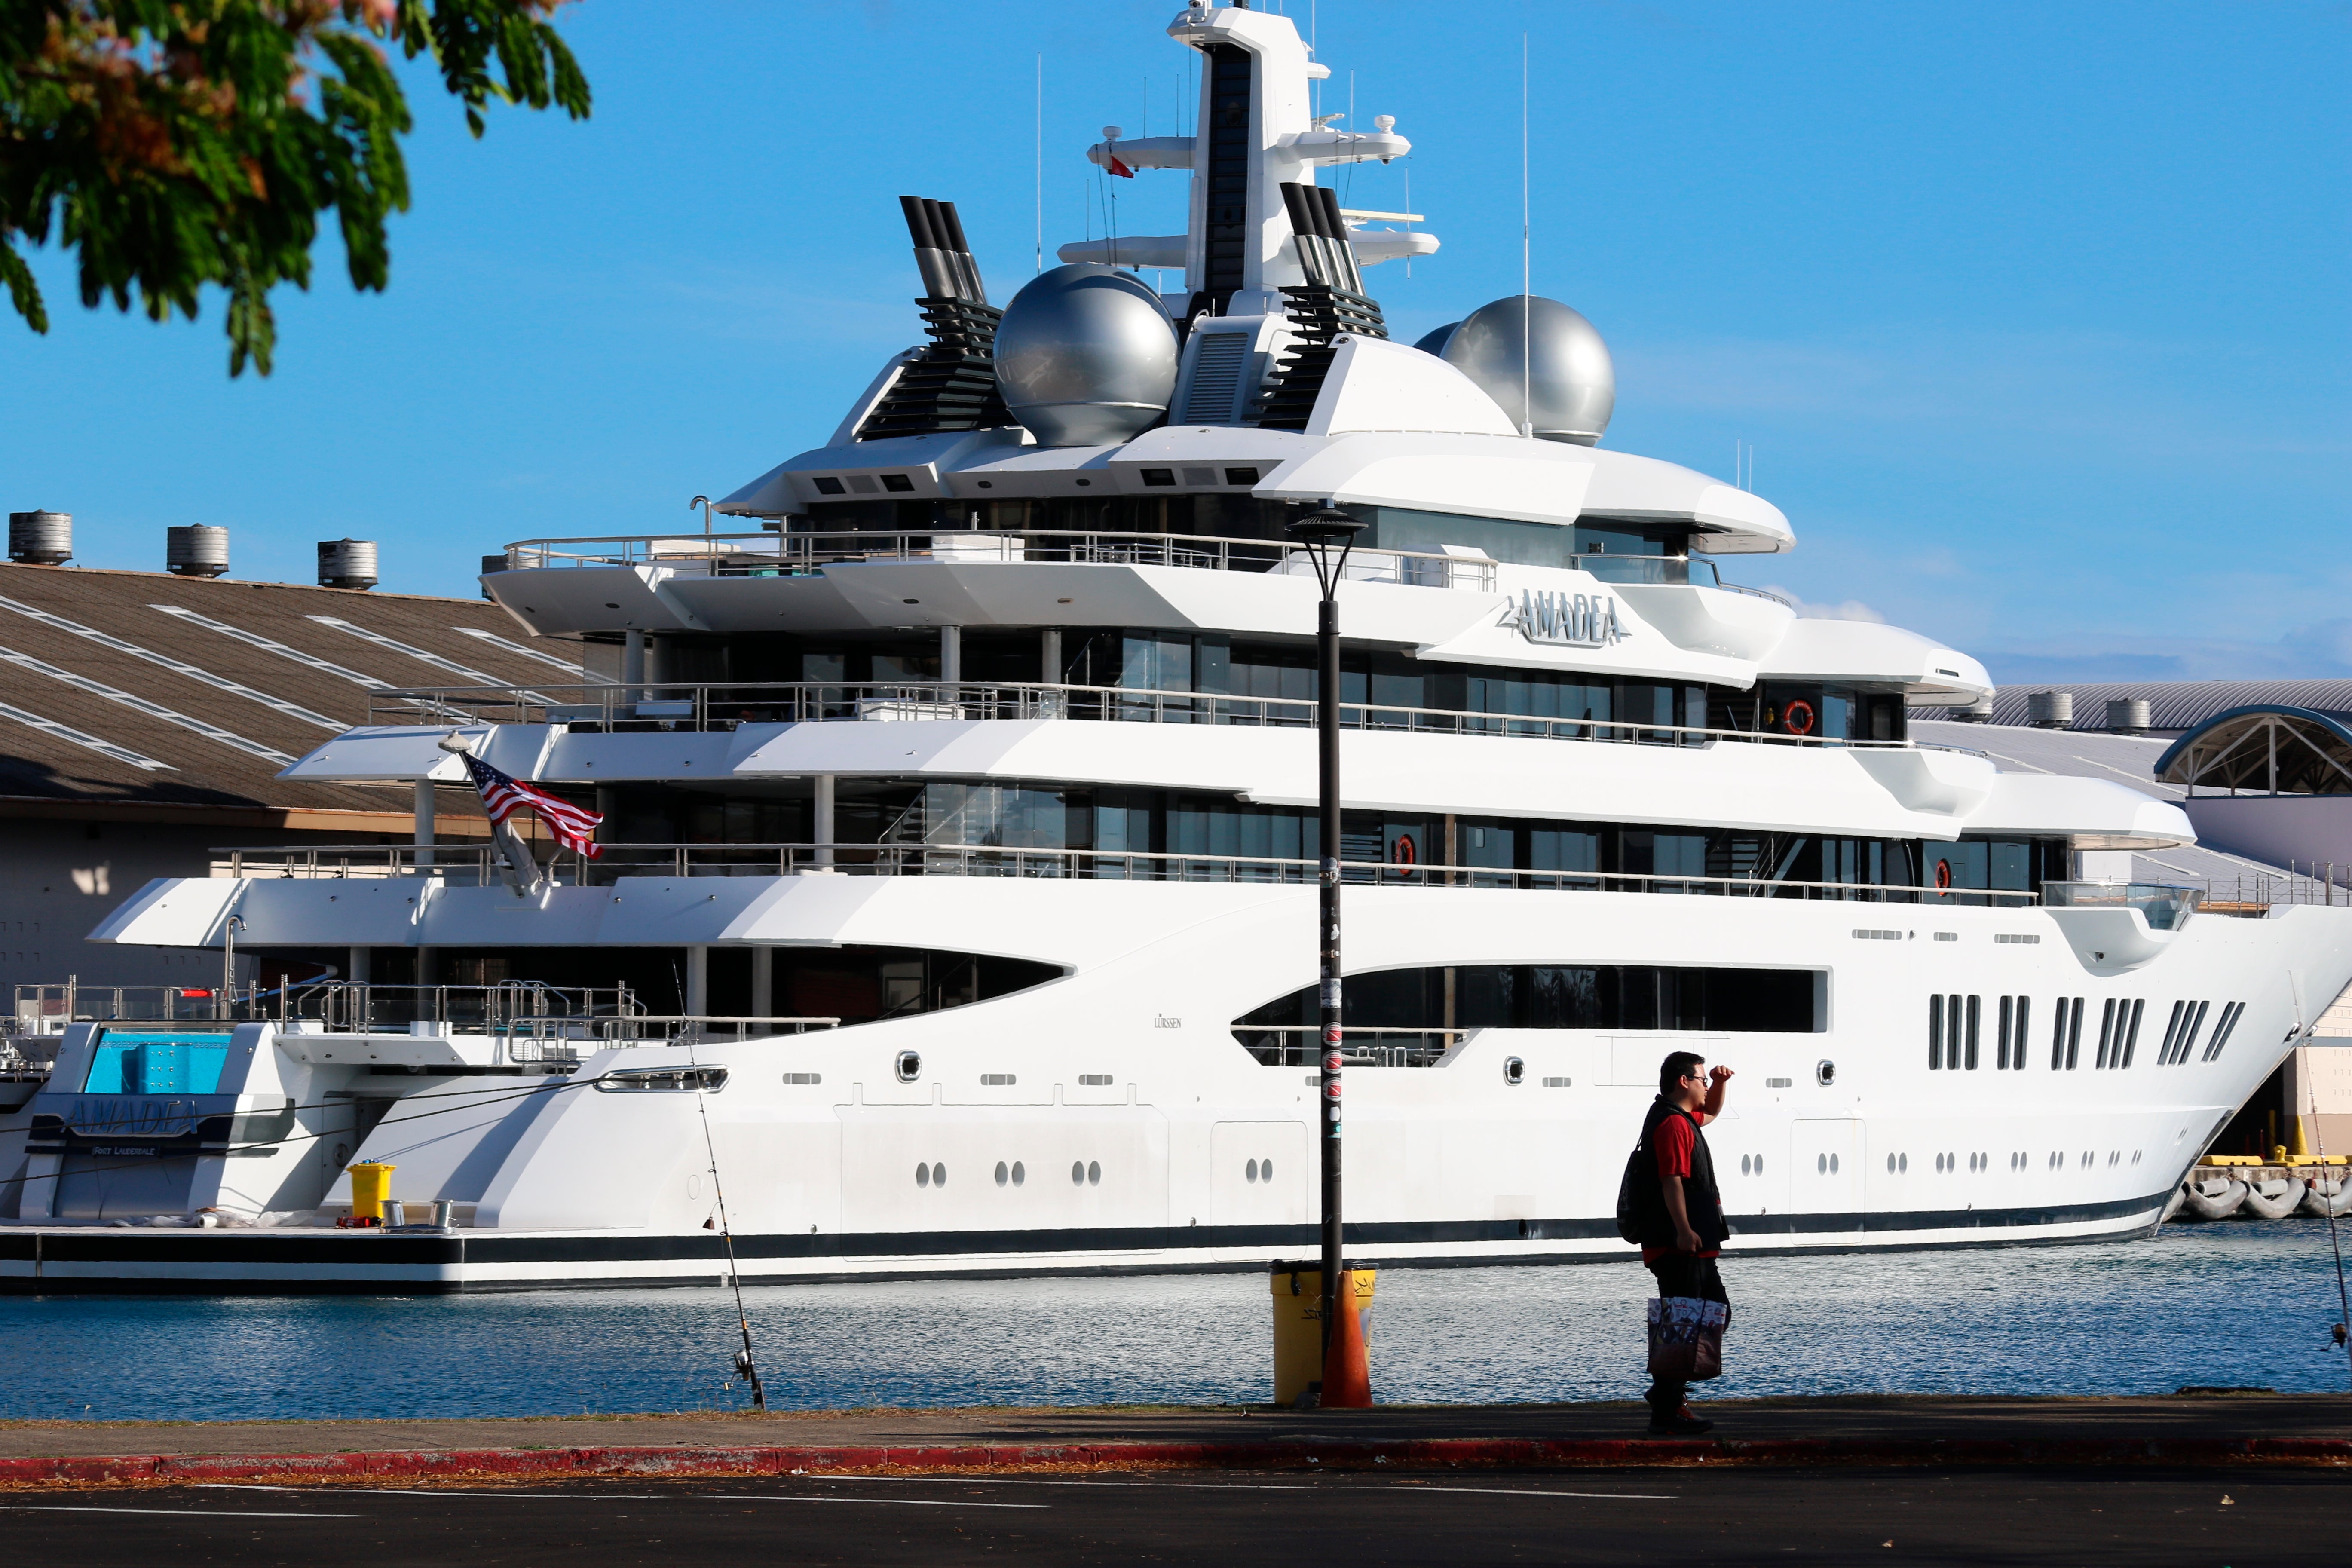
1297,1290
2299,1149
370,1185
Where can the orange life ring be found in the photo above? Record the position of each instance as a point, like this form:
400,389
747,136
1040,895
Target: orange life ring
1405,853
1798,717
1943,874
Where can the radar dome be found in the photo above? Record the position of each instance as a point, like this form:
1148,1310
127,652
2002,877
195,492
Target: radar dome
1434,342
1567,376
1086,356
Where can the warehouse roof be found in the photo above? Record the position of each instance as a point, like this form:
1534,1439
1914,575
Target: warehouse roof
179,698
2174,707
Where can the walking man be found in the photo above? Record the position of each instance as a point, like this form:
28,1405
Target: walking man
1679,1213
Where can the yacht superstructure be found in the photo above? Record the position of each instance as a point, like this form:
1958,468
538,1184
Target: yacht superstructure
954,903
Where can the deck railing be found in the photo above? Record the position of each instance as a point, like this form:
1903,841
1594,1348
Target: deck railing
604,708
537,1022
480,865
797,553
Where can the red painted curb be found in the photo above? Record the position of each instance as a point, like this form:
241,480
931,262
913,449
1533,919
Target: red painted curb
1402,1454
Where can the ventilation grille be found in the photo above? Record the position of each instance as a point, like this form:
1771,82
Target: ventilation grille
1216,377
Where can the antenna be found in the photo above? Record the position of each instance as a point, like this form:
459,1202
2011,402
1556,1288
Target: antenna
1040,162
1526,283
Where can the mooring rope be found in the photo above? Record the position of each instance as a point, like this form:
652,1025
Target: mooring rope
2342,1298
745,1367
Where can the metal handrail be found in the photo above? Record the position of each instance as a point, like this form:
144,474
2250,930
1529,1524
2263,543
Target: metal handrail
697,706
480,865
730,554
756,553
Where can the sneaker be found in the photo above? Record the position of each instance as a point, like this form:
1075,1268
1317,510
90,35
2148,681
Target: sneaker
1678,1423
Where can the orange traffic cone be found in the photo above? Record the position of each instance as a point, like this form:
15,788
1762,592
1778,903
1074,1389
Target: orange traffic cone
1346,1367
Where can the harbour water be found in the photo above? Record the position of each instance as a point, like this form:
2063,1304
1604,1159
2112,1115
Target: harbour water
2237,1304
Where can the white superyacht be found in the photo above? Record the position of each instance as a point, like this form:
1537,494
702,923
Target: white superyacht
954,905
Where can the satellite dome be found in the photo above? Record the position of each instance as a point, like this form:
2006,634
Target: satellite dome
1567,377
1434,342
1086,356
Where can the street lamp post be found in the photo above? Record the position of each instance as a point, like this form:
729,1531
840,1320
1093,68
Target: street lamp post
1327,535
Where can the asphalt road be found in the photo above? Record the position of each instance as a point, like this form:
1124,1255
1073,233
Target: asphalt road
1681,1516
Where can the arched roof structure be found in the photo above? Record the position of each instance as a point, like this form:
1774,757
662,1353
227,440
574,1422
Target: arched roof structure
2264,749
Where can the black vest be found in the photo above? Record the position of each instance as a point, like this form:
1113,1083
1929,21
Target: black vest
1700,1199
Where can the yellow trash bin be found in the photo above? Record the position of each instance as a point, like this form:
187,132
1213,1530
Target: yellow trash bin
370,1185
1299,1324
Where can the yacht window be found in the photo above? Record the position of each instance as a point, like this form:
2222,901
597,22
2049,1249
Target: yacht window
2017,1051
1936,1033
1241,476
2131,1031
1159,477
898,484
2195,1026
659,1080
830,487
1418,1011
2230,1017
2166,1055
2007,1018
2107,1033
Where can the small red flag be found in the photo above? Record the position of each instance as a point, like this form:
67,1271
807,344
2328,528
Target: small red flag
1121,170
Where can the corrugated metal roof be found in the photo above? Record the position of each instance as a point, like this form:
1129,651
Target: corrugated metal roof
2173,706
212,678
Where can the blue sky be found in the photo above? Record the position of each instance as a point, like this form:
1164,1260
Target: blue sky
2036,315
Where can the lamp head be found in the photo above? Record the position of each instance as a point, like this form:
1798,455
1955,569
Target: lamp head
1324,529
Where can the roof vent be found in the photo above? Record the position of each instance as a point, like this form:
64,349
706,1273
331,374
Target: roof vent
347,563
40,538
2050,709
2127,714
1976,712
195,550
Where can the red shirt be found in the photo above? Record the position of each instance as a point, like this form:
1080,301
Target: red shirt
1673,1140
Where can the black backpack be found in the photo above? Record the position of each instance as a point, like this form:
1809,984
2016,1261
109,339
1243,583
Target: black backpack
1638,1197
1629,1207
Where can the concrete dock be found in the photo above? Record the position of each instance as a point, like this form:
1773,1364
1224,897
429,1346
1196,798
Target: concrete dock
2219,1480
2233,1429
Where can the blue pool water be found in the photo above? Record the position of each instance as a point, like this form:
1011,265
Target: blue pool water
2230,1303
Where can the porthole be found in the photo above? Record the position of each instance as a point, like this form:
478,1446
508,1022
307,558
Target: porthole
1266,1170
939,1175
1077,1173
1019,1175
1003,1174
1094,1173
910,1066
1890,1164
1822,1164
1514,1070
1834,1164
1903,1163
1760,1165
922,1174
1743,1164
1250,1174
1825,1073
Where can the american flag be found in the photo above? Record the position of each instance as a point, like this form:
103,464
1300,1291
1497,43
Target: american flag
574,826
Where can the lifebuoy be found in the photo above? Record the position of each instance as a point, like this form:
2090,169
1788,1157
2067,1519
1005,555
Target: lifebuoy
1943,874
1798,717
1405,853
